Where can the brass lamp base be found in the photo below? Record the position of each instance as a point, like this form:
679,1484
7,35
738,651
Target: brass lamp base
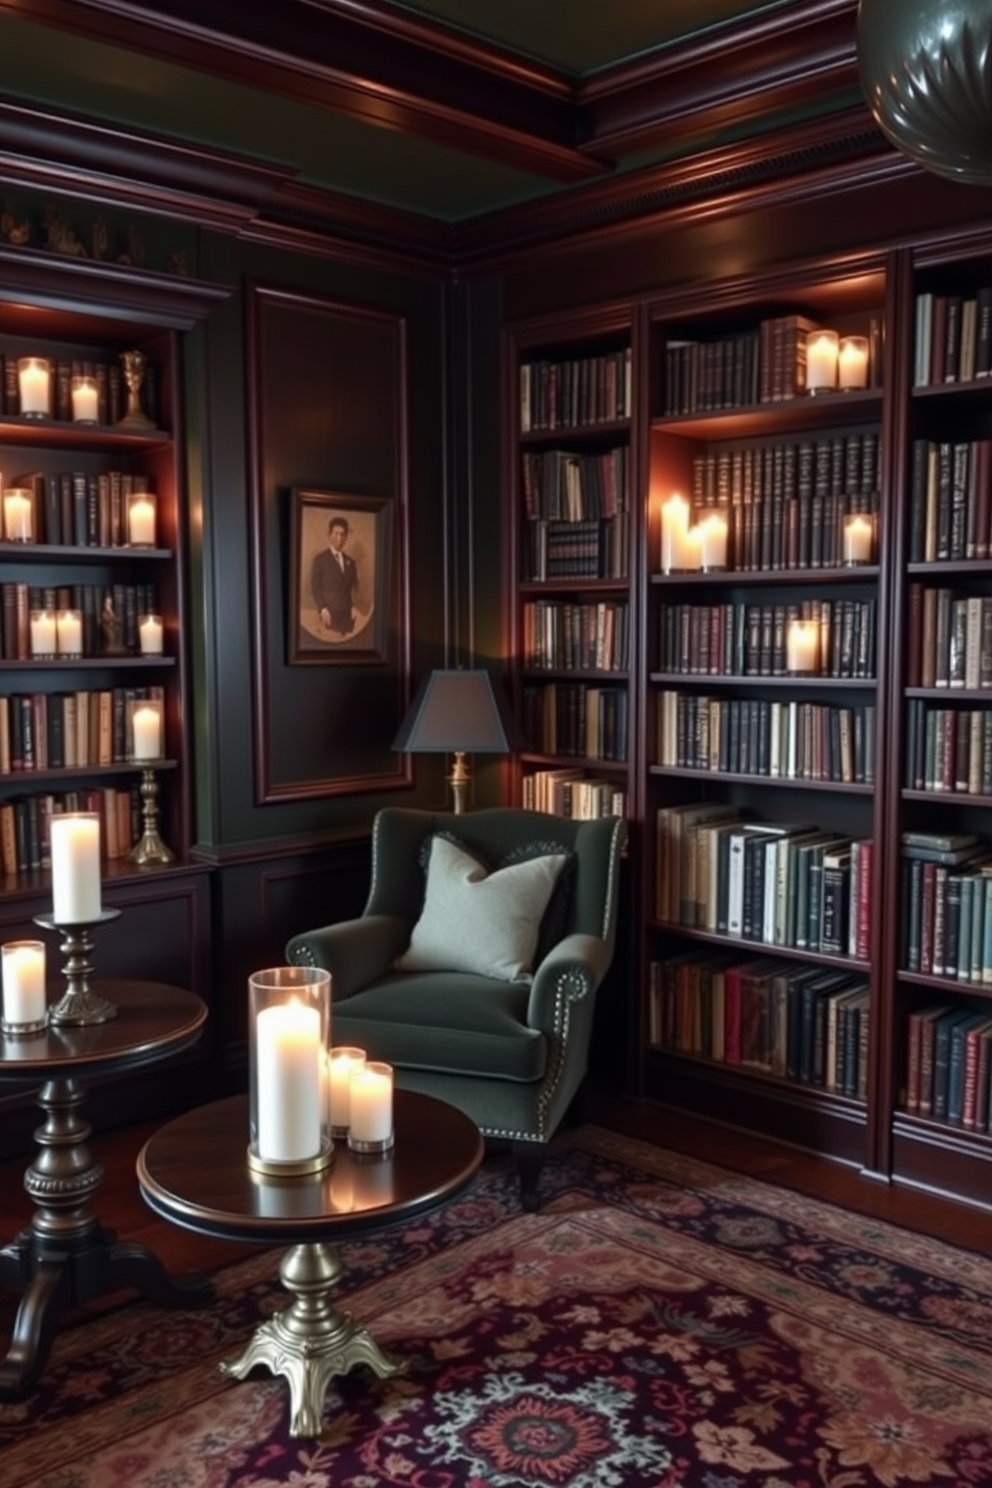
459,782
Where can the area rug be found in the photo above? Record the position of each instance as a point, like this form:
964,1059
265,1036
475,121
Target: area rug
659,1322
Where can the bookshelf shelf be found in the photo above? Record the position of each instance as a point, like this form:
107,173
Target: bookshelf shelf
765,578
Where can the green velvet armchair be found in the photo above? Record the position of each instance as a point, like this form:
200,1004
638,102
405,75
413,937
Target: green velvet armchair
509,1049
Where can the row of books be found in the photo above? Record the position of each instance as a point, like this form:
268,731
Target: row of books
570,550
738,639
948,1055
68,730
797,1022
731,475
80,508
948,750
562,485
950,500
110,389
109,615
581,636
572,793
25,825
953,337
794,532
791,884
946,906
949,638
576,720
779,740
575,393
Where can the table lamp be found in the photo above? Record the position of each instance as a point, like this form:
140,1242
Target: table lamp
456,712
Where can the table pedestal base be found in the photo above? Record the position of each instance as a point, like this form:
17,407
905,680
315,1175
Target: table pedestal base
312,1340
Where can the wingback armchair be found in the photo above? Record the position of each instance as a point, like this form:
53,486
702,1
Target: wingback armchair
474,967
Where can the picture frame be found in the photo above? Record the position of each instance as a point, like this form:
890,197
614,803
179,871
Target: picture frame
340,563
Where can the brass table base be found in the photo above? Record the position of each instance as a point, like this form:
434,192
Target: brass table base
312,1340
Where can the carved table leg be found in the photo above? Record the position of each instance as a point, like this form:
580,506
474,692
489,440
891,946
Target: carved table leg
311,1341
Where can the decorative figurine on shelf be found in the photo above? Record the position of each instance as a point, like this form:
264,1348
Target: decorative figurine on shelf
133,363
60,235
110,628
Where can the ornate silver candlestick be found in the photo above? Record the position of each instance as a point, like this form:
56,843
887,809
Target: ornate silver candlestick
79,1004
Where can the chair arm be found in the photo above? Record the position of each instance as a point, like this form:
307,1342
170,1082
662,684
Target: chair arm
355,952
575,966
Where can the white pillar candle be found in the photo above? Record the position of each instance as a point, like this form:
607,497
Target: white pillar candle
858,537
69,633
713,540
342,1065
821,361
24,982
43,633
85,401
372,1103
18,515
150,635
852,362
289,1053
141,521
75,840
802,646
674,533
146,732
34,385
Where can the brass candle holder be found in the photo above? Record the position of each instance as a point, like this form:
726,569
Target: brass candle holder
151,848
79,1004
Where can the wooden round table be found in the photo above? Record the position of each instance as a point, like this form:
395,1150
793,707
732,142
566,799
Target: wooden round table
195,1172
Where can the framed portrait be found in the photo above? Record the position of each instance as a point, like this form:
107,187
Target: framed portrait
340,548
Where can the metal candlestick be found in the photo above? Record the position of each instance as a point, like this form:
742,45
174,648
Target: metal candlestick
79,1004
151,848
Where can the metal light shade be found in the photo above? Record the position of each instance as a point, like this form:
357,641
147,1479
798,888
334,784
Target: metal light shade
926,71
456,712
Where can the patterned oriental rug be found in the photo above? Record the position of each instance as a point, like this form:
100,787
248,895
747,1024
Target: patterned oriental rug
659,1322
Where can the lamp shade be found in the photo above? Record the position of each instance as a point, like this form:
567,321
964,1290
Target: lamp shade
459,709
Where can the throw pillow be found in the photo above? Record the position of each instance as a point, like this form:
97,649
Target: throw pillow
477,921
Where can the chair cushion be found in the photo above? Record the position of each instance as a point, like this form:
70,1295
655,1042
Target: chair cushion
449,1022
476,921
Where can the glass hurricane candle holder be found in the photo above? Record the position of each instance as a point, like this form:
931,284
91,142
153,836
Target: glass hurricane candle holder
852,363
85,399
141,519
342,1064
69,633
18,515
371,1128
34,386
289,1020
25,1002
42,632
144,730
858,539
150,635
821,361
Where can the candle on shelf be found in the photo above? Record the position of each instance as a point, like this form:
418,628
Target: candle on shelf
802,646
821,361
75,842
288,1051
150,635
24,1001
858,539
674,531
141,519
852,362
34,380
43,633
146,731
712,528
343,1064
692,550
18,515
85,400
372,1107
69,632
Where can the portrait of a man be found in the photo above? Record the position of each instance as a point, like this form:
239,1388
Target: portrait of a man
340,546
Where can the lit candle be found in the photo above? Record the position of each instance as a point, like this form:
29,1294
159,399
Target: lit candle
141,521
18,515
713,541
24,999
146,728
802,646
692,550
342,1065
84,400
150,635
674,531
34,383
69,633
852,362
372,1104
858,537
289,1054
821,361
75,843
43,633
